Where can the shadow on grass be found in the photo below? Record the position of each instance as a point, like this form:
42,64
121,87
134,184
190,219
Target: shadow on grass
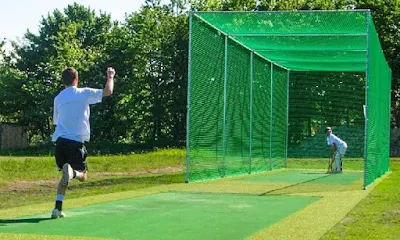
294,185
4,222
314,173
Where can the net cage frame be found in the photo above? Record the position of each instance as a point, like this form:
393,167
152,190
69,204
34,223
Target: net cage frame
374,157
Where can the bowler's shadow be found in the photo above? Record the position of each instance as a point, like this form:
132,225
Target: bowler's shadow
4,222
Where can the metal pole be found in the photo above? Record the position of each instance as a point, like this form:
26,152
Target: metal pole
224,124
285,11
307,50
251,107
287,119
270,124
297,35
390,108
188,98
367,14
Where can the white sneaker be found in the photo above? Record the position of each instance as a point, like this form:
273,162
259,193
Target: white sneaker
68,174
57,214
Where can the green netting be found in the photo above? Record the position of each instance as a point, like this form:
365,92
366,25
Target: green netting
264,85
261,115
237,111
279,117
305,31
206,122
285,23
378,109
320,99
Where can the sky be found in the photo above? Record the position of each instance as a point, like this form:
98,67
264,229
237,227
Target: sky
17,16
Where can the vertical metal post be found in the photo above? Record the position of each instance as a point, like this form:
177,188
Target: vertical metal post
287,119
390,108
367,14
251,107
224,124
188,98
270,124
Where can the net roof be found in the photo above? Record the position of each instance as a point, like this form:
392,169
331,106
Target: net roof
301,41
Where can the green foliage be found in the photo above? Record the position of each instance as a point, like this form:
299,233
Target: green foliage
151,90
11,100
73,38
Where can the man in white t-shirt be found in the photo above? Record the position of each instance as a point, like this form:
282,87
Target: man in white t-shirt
71,117
338,147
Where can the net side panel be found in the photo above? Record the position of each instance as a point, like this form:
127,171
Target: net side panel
378,110
237,111
279,118
205,153
261,135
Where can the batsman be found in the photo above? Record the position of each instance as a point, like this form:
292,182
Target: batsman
339,148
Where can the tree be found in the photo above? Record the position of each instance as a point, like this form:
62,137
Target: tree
158,47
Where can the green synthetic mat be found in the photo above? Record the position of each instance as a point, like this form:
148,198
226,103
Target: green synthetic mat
167,216
314,177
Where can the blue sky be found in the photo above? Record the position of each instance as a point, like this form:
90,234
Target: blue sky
17,16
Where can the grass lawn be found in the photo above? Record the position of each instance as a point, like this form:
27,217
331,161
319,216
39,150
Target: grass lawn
377,216
31,180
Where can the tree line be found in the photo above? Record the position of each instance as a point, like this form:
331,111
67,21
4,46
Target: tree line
149,50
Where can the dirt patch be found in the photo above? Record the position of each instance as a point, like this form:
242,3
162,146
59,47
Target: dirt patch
395,212
348,220
25,186
141,172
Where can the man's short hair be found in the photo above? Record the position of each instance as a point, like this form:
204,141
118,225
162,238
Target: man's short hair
68,76
328,129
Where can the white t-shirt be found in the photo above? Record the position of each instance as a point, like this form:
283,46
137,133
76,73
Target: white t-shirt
333,139
71,112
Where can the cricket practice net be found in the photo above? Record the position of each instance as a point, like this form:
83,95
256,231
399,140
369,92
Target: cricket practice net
264,85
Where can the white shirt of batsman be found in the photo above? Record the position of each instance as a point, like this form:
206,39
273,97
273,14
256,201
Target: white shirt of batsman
333,139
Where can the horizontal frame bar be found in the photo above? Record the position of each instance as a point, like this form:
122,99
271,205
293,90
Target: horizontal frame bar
308,50
316,61
298,35
288,11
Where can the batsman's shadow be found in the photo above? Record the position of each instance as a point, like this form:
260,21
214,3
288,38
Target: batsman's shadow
5,222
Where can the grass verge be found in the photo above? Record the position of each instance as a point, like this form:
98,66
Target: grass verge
375,217
30,180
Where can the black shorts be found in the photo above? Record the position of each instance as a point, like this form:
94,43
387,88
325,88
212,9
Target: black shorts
72,152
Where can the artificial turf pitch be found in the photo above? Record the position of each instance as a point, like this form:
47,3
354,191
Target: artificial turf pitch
307,176
185,213
168,216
